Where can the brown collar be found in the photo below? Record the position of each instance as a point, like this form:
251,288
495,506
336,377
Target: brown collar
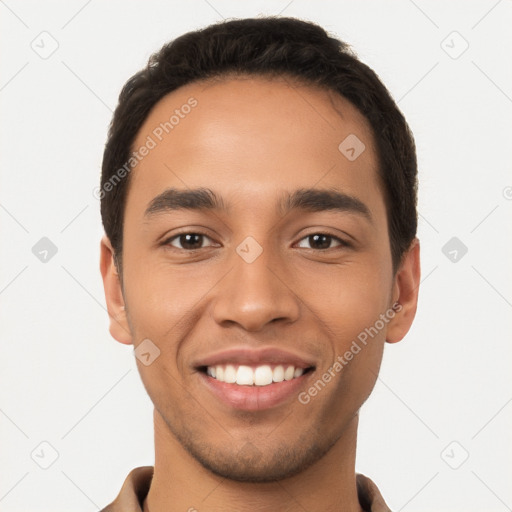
136,487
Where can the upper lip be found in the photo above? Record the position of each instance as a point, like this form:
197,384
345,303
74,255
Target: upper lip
248,356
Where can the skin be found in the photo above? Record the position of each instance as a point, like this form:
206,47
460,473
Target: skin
250,140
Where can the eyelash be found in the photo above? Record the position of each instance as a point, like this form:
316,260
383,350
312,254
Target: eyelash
167,242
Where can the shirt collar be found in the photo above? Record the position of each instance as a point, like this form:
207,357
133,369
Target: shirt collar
137,483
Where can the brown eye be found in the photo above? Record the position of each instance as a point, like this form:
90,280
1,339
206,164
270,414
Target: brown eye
187,241
322,241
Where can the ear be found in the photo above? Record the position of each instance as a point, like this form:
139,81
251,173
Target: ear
119,327
405,293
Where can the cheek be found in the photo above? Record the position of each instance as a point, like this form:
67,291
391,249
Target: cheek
347,299
165,305
350,308
160,298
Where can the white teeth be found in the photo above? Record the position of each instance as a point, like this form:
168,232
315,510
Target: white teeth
244,376
260,376
278,374
263,376
288,374
230,374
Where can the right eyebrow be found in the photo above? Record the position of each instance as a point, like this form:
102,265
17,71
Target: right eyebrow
190,199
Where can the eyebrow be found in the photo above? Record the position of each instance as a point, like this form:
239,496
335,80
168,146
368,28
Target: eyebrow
306,199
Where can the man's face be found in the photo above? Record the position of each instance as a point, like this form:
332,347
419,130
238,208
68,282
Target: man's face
252,285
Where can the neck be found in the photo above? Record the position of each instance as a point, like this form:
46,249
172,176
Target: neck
180,483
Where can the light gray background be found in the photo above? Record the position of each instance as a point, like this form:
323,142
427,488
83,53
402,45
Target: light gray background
444,392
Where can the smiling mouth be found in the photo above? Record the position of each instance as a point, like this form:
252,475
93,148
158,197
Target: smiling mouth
260,375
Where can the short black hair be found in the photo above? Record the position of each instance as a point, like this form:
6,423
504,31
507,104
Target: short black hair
267,47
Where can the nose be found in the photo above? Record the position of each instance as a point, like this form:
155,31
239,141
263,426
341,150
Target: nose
255,294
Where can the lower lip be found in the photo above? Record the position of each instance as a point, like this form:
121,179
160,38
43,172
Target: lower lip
254,398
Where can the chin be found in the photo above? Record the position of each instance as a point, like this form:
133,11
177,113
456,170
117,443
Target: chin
254,465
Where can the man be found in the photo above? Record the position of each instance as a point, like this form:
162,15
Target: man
258,195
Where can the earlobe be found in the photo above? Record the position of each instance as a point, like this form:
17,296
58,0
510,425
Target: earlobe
405,294
119,328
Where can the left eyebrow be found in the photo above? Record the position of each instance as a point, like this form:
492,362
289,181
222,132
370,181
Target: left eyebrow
309,199
319,200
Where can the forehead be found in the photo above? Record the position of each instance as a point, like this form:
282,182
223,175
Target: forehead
250,136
